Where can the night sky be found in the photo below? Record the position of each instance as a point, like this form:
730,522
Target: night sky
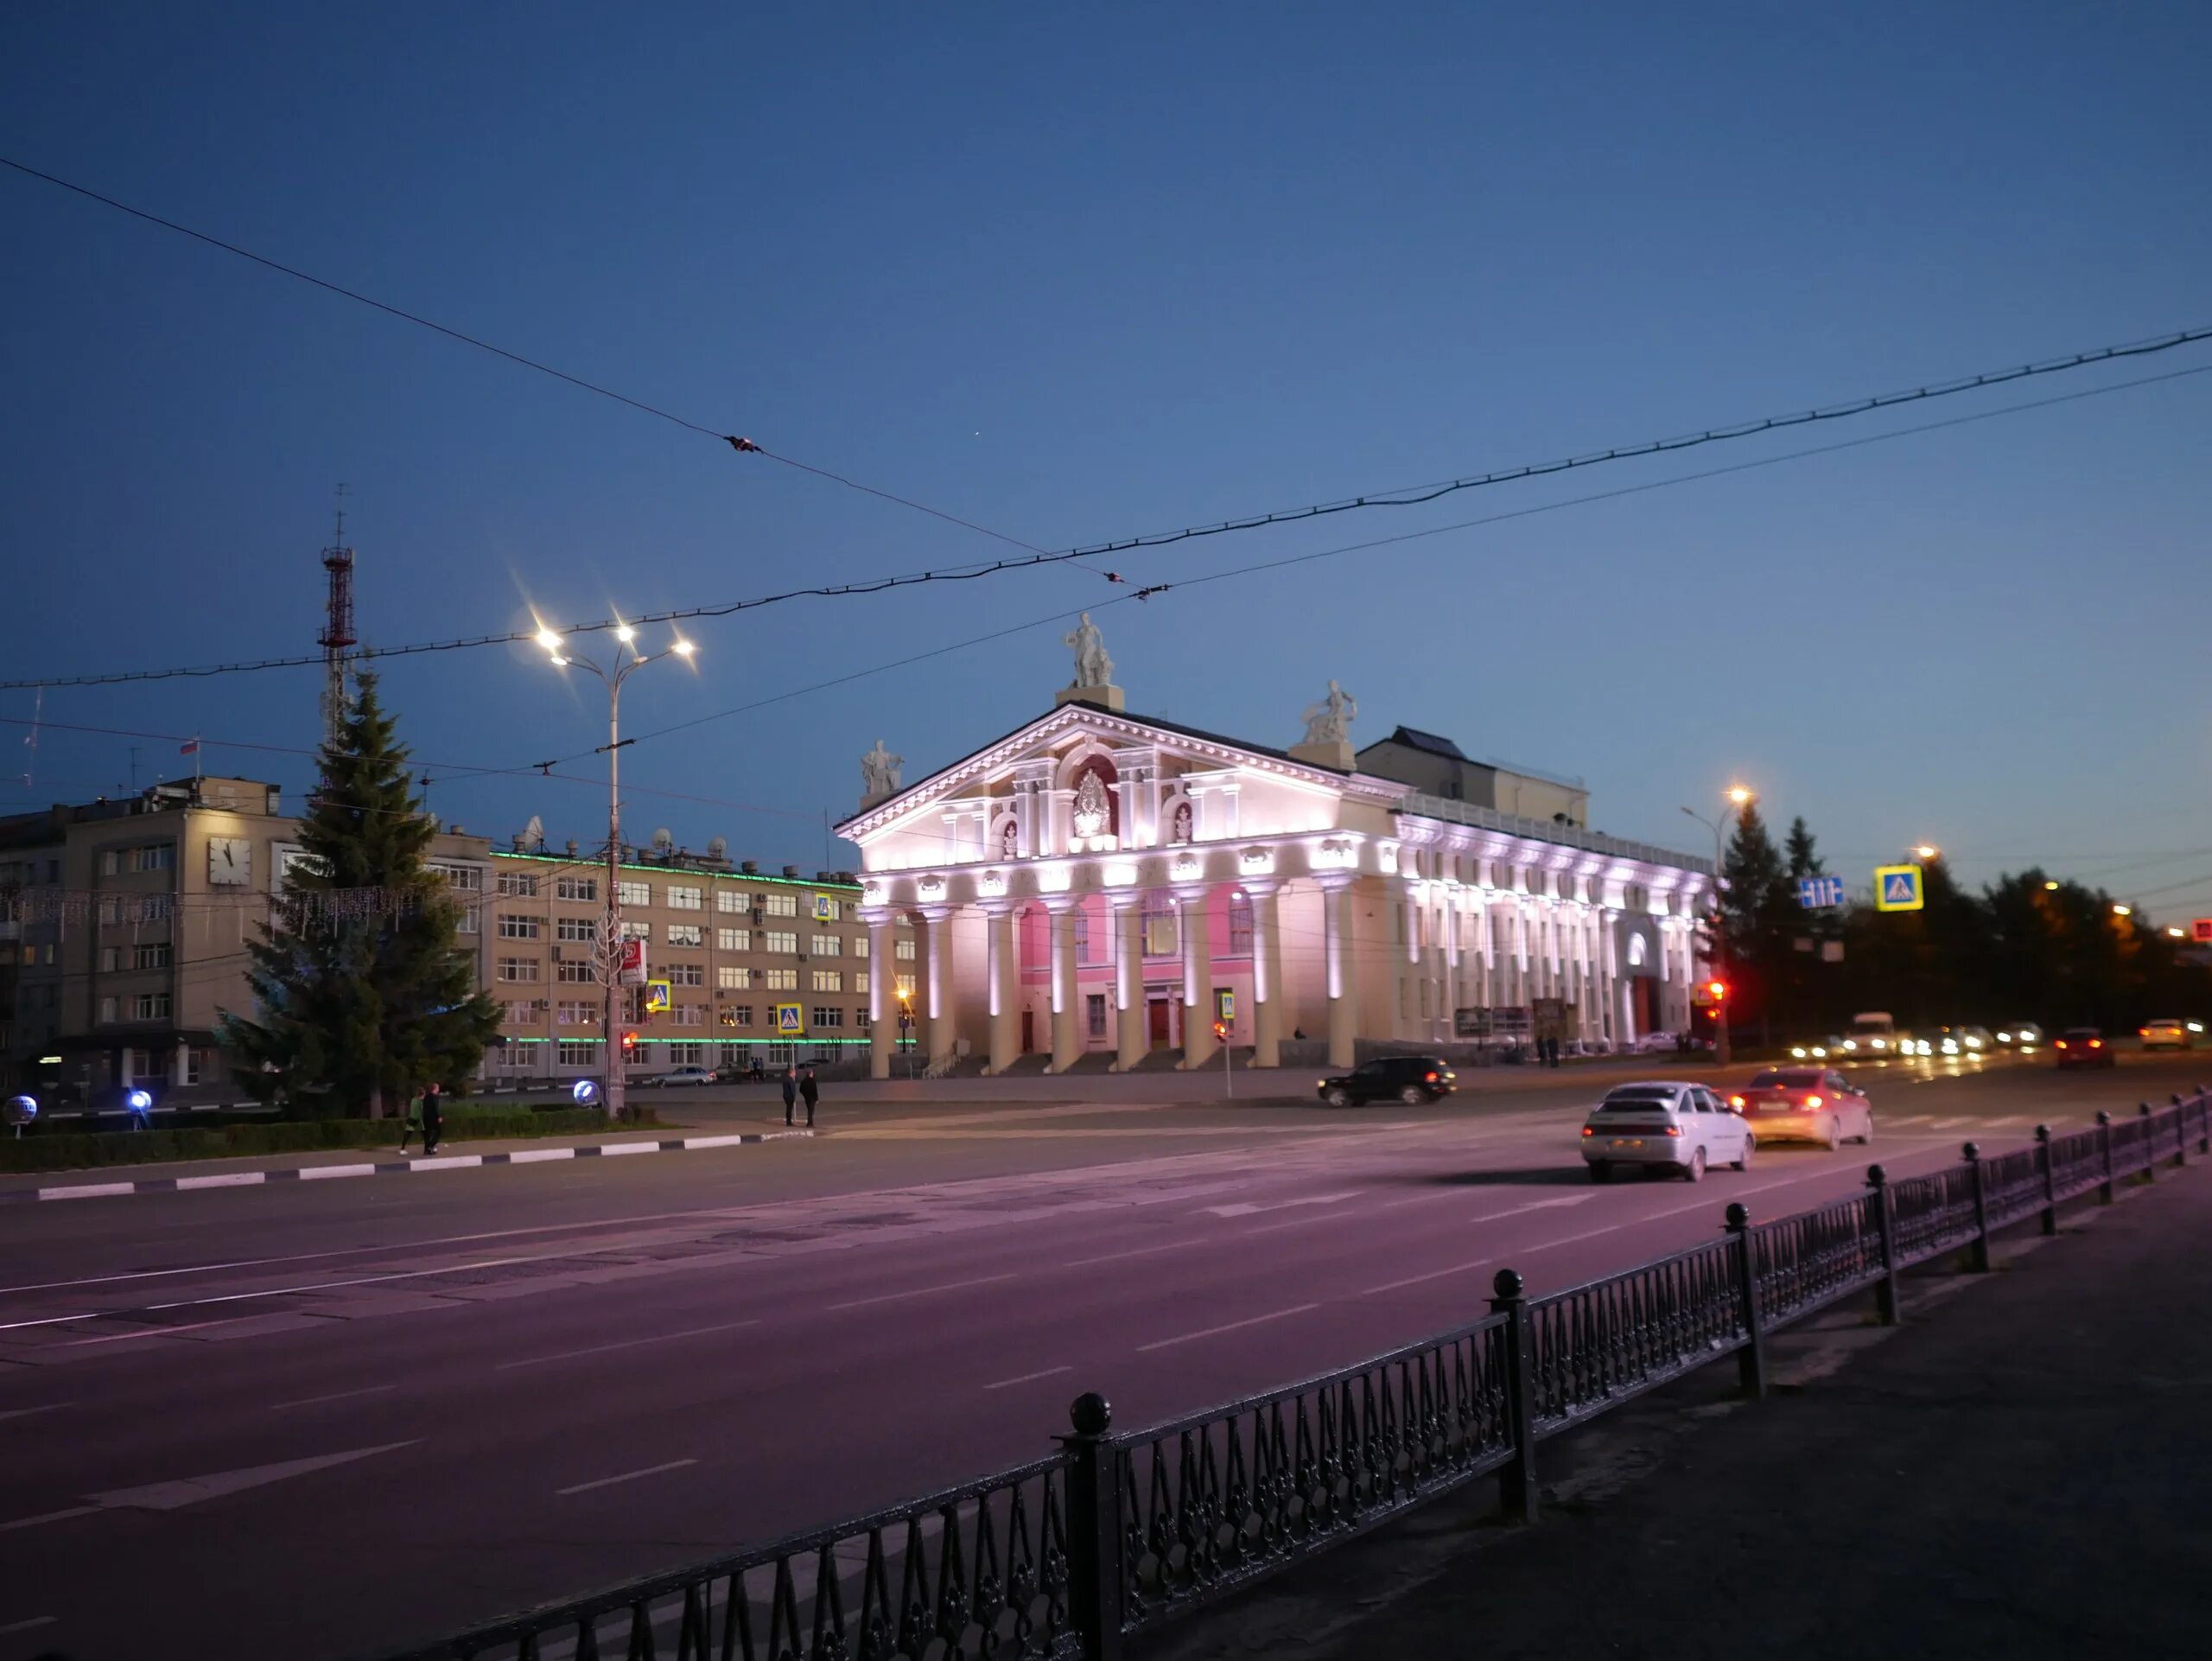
1077,273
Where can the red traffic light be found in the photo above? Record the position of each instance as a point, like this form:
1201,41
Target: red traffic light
629,1040
1221,1029
1717,991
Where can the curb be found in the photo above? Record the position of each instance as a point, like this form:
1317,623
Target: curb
391,1168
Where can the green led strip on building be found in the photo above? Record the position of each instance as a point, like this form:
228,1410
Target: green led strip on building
788,1038
582,863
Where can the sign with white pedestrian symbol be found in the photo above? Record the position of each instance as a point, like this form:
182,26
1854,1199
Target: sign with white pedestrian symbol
788,1021
1897,888
826,908
1819,893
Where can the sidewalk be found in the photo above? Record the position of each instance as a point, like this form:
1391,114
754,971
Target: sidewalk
2020,1471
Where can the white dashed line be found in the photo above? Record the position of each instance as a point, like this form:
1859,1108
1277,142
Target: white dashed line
1029,1378
1231,1327
917,1292
338,1396
625,1344
626,1476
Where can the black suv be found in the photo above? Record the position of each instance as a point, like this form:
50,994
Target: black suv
1408,1079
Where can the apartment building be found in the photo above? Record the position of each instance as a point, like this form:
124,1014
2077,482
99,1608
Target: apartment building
124,926
746,964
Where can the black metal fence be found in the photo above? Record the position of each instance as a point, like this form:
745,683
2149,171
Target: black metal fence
1118,1530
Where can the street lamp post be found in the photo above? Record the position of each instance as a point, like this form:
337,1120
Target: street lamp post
1738,796
626,662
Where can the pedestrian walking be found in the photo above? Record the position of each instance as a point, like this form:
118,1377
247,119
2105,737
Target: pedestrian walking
812,1092
790,1092
434,1119
410,1124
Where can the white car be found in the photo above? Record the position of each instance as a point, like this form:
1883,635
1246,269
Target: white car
2025,1033
681,1076
1679,1128
2166,1034
1658,1044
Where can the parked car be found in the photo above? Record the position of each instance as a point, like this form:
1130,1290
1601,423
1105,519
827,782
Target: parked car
2084,1046
1411,1079
2165,1034
1658,1044
1805,1104
1680,1127
2025,1033
681,1076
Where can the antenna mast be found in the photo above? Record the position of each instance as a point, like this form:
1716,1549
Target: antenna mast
337,638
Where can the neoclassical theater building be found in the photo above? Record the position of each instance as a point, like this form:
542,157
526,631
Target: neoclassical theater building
1096,887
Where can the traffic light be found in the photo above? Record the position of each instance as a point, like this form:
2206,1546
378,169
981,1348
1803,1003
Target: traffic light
1221,1032
629,1044
1717,991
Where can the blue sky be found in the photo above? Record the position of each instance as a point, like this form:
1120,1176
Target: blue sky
1074,274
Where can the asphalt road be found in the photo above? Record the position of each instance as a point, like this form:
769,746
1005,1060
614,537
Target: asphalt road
324,1419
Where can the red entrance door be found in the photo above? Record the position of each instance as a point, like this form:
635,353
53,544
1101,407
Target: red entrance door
1028,1031
1162,1038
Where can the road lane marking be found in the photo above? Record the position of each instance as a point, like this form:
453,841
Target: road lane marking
26,1412
193,1490
2000,1124
150,1331
1231,1327
919,1292
1029,1378
623,1344
1948,1124
35,1622
338,1395
626,1476
1432,1275
1247,1208
1138,1252
47,1516
1904,1118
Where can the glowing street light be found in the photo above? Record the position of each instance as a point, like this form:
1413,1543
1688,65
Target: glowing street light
2123,910
2050,887
1739,797
1926,851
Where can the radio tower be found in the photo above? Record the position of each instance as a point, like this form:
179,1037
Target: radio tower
337,638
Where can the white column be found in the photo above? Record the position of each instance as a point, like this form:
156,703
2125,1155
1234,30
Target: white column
1343,988
1266,976
1445,1028
1198,1046
183,1063
882,999
1002,972
1067,1037
937,1013
1131,1039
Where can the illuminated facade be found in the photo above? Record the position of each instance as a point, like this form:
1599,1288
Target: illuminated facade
1093,884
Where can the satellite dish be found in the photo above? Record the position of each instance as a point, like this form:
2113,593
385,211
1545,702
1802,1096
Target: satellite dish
662,840
718,847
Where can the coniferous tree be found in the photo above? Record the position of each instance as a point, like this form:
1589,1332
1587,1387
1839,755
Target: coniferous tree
363,992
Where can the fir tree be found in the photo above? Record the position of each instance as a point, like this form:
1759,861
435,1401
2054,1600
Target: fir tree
1798,849
363,992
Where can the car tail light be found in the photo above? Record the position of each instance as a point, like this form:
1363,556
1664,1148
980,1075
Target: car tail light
1428,1078
2096,1043
1735,1101
2062,1043
1812,1101
1588,1131
2142,1032
1674,1130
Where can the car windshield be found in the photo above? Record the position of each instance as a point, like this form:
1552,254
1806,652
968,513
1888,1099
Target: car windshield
1788,1077
2083,1032
1629,1101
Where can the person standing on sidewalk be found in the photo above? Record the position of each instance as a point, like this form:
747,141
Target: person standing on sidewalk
790,1092
812,1092
434,1119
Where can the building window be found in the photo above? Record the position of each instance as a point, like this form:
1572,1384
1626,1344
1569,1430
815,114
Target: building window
584,930
634,929
518,969
578,1014
470,921
903,985
513,1058
732,976
732,901
1082,937
520,1013
110,959
578,1055
576,887
779,980
775,940
513,928
465,879
686,934
1160,933
634,893
687,1055
687,974
1240,926
828,1017
686,899
150,957
860,945
829,980
151,1006
107,1011
196,1063
688,1014
575,972
519,885
825,945
904,949
154,856
779,905
111,862
738,1014
1094,1005
734,939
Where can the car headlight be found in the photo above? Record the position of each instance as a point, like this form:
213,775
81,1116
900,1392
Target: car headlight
1797,1051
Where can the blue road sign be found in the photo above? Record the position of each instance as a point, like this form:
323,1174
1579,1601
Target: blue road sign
1819,893
1897,888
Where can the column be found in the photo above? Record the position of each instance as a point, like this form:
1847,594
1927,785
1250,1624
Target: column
1266,976
1198,1046
1447,1026
1003,970
183,1066
1343,980
882,999
1131,1041
938,999
1067,1037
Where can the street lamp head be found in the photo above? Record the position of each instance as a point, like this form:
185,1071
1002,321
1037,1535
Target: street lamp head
2123,910
624,633
683,648
2050,885
550,641
1739,794
1926,851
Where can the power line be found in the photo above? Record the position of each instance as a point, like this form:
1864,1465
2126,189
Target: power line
973,571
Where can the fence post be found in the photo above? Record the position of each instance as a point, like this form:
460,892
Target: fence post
1978,1253
1885,1226
1750,1360
1517,1481
1095,1529
2104,1139
2150,1154
2181,1134
2204,1119
2050,1179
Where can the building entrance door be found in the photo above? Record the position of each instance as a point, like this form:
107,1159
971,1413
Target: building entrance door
1157,1010
1028,1031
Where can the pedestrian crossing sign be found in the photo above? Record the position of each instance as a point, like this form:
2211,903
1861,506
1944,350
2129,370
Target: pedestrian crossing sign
826,908
656,998
788,1021
1897,888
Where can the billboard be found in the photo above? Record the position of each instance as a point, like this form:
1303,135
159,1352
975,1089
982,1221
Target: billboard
631,959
